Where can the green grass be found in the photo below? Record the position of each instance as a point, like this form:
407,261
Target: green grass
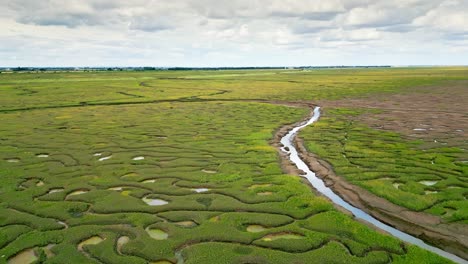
194,129
378,161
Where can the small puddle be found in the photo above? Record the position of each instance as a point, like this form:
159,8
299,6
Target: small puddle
120,242
273,237
419,129
62,223
264,193
42,155
24,257
209,171
186,224
430,192
39,183
397,185
90,241
149,181
255,228
97,154
78,192
14,160
428,183
115,188
55,190
105,158
154,202
200,190
157,234
139,158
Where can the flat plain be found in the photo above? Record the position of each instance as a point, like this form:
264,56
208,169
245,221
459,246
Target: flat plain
180,167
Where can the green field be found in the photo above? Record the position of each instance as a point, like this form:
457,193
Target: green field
147,167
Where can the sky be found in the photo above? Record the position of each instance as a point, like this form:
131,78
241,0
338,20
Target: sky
215,33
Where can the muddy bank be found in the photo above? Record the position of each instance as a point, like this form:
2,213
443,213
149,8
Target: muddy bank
450,237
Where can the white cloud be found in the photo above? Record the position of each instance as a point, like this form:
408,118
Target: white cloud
249,32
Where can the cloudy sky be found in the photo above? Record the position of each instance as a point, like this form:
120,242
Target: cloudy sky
233,32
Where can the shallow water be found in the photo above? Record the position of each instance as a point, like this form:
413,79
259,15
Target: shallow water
105,158
55,190
24,257
90,241
264,193
428,183
209,171
149,181
77,192
200,190
273,237
317,183
157,234
120,242
42,155
255,228
186,223
154,202
139,158
13,160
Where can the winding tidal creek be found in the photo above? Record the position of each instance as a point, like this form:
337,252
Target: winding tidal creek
289,148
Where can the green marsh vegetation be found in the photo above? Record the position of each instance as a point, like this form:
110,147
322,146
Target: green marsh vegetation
80,153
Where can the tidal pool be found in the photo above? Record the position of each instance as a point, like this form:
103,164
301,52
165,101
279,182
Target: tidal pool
120,242
77,192
209,171
428,183
186,223
24,257
105,158
272,237
157,234
55,190
154,202
255,228
90,241
149,181
200,190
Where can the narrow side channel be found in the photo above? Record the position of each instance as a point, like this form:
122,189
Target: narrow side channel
317,183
